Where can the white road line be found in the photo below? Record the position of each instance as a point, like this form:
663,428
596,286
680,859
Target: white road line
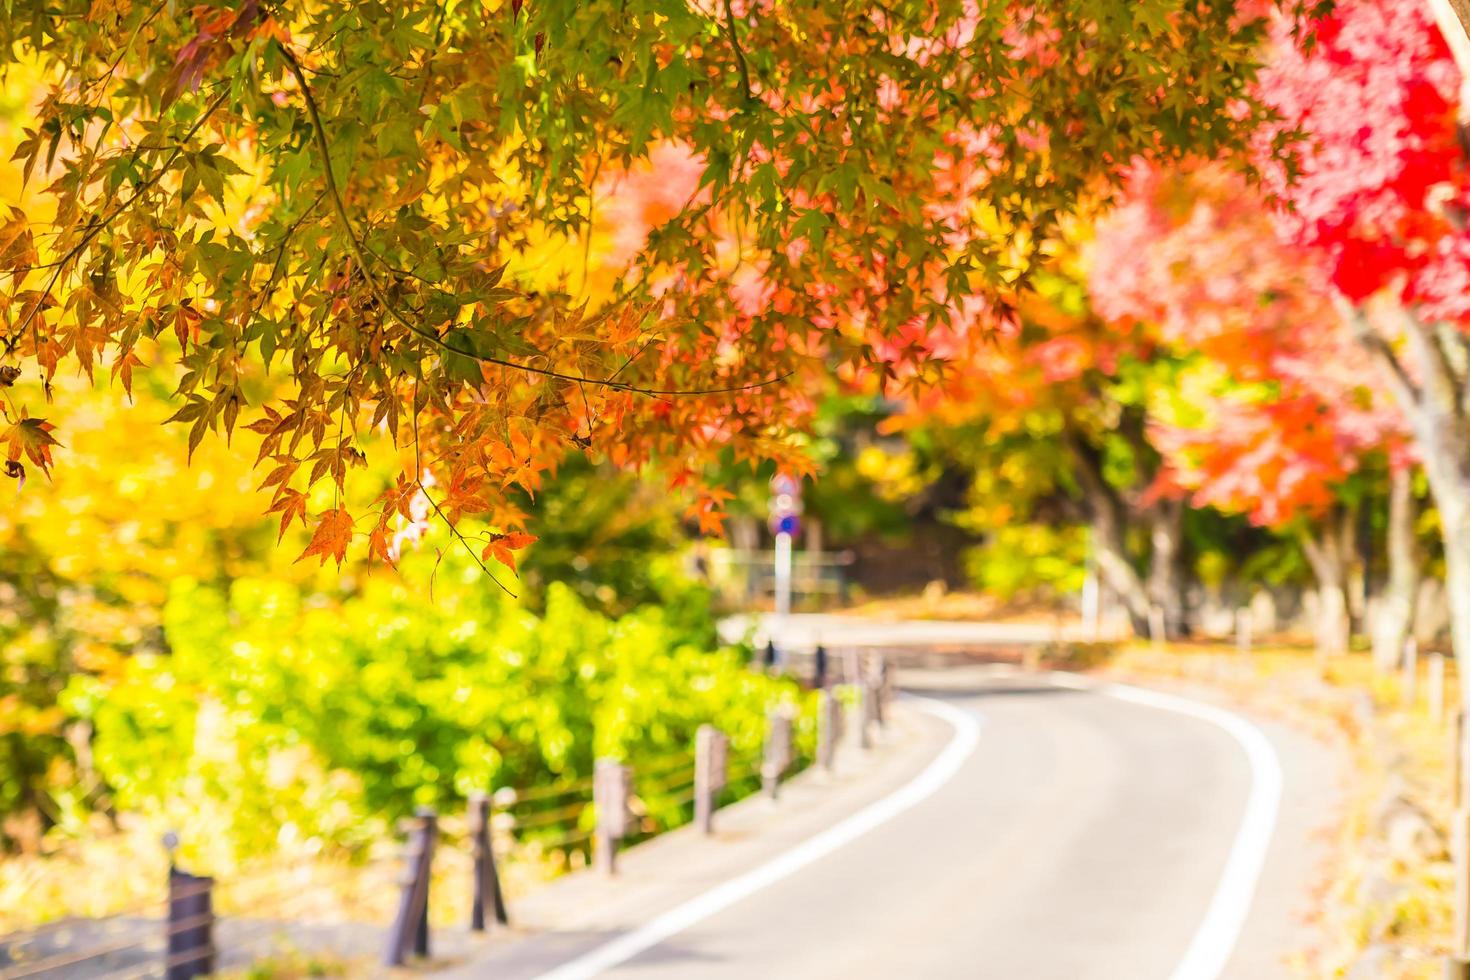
966,735
1219,931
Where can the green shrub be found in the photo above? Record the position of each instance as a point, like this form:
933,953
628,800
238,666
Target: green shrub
278,715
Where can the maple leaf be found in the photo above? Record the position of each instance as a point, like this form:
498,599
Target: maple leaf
877,253
291,504
501,546
17,251
709,510
380,543
32,439
332,535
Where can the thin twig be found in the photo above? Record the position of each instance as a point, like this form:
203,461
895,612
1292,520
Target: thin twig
464,541
740,64
270,285
98,225
359,253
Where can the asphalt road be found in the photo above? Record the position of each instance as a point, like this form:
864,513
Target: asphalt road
1082,836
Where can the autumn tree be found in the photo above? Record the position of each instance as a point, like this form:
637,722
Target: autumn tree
343,194
83,595
1379,192
1275,412
1053,417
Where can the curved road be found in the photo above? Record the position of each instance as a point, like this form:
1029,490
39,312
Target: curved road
1082,837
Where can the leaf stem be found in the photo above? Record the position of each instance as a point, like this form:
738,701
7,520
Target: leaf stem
359,253
97,225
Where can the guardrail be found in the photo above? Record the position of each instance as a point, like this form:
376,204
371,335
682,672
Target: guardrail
743,577
202,923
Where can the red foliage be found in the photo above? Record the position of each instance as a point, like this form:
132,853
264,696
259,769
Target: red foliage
1382,188
1198,258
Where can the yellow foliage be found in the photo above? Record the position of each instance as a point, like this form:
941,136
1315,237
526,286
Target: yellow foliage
895,476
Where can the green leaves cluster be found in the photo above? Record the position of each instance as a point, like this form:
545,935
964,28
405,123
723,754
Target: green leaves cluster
311,720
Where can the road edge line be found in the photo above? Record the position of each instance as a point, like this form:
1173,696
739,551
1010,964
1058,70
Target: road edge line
692,911
1218,933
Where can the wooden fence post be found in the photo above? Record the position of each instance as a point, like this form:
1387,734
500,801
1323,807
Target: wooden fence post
711,760
850,666
878,681
410,929
829,728
611,786
864,711
487,878
777,756
1411,672
1457,963
190,925
819,667
1436,688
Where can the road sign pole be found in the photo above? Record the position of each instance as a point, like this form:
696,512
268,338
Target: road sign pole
783,574
785,523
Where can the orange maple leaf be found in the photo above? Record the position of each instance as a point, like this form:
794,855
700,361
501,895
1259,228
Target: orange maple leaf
332,535
32,439
291,504
501,546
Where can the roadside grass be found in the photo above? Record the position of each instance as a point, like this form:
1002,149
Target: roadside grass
38,889
957,606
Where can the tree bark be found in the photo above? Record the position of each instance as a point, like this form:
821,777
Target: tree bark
1328,553
1166,565
1433,400
1394,611
1109,521
1115,567
1447,464
1453,19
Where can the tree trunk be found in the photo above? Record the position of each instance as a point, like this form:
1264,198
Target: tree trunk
1328,552
1166,565
1456,521
1433,397
1109,535
1394,611
1116,569
1449,480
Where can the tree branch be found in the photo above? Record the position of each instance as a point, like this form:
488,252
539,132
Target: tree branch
740,62
359,253
1453,20
458,535
97,225
1455,354
270,284
1439,377
1370,340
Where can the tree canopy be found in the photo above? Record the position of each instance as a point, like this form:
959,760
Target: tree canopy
321,216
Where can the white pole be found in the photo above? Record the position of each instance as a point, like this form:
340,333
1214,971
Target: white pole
783,575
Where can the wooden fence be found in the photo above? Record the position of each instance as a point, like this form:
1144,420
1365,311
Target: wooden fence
183,935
